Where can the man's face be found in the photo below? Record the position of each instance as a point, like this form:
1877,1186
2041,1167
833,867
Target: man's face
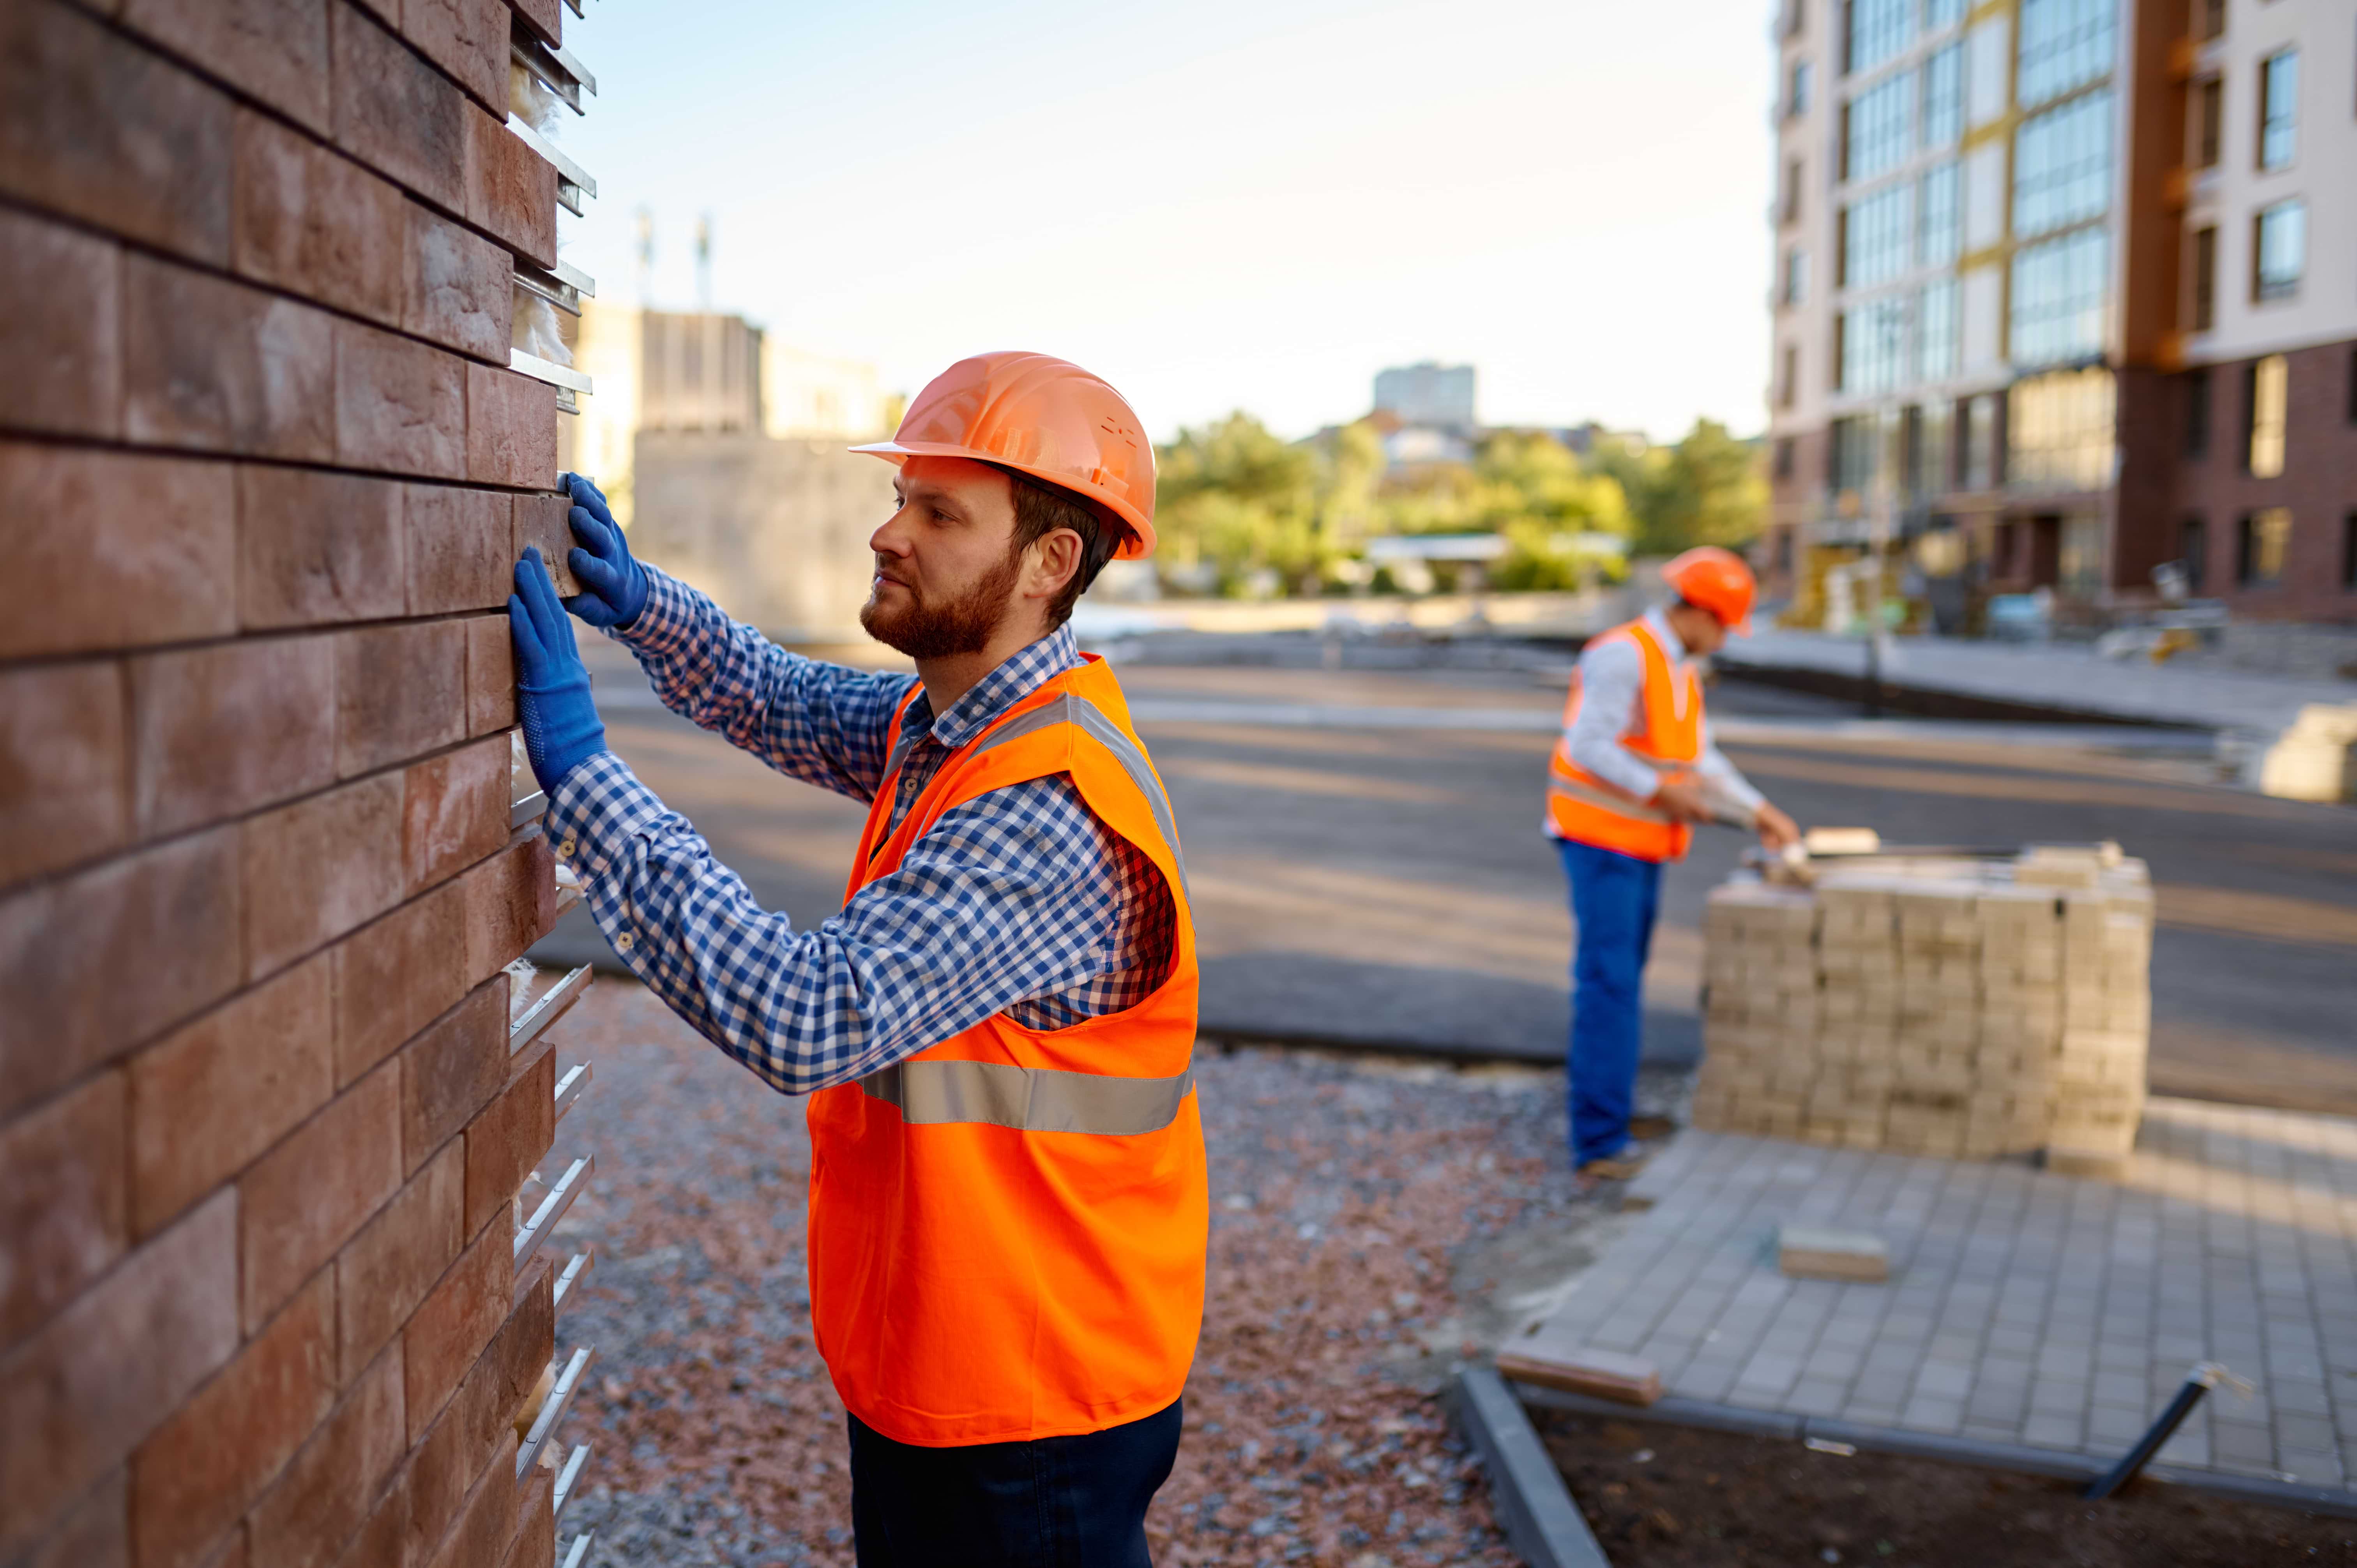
1709,634
945,571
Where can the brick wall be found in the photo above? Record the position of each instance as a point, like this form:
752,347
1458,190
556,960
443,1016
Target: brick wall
262,473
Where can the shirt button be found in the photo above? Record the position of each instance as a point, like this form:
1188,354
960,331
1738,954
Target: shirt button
569,848
622,942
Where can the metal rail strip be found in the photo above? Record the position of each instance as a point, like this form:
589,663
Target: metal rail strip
570,1088
581,1263
552,1410
552,1005
552,1210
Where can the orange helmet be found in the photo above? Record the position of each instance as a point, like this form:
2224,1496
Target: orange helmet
1716,580
1047,417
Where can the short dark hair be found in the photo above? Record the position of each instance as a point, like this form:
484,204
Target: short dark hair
1040,509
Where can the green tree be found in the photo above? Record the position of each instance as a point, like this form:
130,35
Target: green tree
1233,496
1708,489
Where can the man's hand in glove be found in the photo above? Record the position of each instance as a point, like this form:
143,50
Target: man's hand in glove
561,728
615,586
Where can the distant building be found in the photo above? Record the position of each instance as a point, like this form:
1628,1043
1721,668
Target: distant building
1428,395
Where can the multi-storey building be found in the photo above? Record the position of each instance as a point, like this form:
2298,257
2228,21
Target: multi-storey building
2067,289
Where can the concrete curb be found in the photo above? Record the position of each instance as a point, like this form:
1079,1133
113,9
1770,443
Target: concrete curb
1676,1411
1534,1507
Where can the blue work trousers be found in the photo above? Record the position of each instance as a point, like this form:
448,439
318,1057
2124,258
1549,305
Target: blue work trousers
1613,897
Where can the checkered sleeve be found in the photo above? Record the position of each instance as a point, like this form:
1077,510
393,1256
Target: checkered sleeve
824,723
1010,897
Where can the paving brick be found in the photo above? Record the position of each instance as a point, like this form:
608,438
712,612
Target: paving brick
510,429
461,288
458,549
309,1195
78,1397
386,1270
206,1464
316,548
275,50
455,811
401,691
102,960
452,1069
467,39
453,1325
111,550
209,1099
96,127
320,869
61,328
511,189
323,1499
225,729
491,674
506,1141
219,367
394,977
400,405
395,113
63,1209
95,1534
510,904
65,767
316,224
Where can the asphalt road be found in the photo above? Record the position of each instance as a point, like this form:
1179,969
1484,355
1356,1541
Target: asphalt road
1367,867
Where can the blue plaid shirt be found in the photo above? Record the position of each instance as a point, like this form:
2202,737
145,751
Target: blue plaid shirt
1018,901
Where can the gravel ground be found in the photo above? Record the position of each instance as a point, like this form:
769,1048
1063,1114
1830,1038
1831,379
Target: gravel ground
1373,1223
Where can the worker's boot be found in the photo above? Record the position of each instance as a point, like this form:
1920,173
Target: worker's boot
1623,1167
1646,1129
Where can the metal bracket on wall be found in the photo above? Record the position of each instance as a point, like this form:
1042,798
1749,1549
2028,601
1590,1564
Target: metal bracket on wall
569,1089
550,1006
548,371
561,285
580,1553
552,1210
566,1480
580,1265
564,75
552,1410
526,809
568,888
574,185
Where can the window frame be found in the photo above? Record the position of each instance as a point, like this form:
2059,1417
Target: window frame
2193,550
2266,416
2268,122
2208,119
2266,290
2202,275
2200,410
2248,528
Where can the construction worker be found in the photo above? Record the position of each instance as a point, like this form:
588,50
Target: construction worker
1632,772
1008,1220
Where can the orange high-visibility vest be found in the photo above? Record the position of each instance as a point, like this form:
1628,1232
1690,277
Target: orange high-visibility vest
1008,1229
1666,731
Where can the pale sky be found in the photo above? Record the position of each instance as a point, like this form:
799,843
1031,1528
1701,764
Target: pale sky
1250,204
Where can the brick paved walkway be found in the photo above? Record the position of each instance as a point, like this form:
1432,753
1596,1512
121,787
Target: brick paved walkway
2023,1307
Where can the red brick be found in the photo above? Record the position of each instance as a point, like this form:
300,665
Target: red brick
319,224
195,1478
233,1552
63,1209
96,1534
509,1138
511,189
518,1354
467,39
315,548
95,127
510,904
396,976
108,550
307,1196
458,549
221,730
318,868
455,812
450,1329
401,691
220,367
461,289
275,50
401,406
484,1523
395,113
510,429
383,1541
477,1424
64,768
491,674
452,1069
323,1499
61,328
541,519
104,959
546,17
211,1097
535,1522
388,1268
76,1398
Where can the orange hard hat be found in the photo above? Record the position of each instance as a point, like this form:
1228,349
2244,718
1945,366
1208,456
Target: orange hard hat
1045,417
1716,580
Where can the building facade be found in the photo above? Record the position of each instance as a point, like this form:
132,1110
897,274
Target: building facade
2066,290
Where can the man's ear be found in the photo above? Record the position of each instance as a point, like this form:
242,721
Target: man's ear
1055,556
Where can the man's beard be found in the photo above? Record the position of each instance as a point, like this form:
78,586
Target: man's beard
961,625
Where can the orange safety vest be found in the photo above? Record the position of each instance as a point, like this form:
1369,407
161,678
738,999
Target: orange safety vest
1666,731
1008,1229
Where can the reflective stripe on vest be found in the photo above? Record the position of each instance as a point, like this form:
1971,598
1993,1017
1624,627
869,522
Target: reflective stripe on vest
1029,1099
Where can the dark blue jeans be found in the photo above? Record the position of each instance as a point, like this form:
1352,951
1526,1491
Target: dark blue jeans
1614,898
1059,1502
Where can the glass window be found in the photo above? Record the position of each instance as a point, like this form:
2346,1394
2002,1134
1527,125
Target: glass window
2205,279
2208,119
1856,451
2061,291
1783,457
1875,237
1927,450
1877,30
2259,553
2059,430
2064,44
1939,13
2194,551
1796,97
1938,339
2266,388
1791,189
2062,166
2281,250
1789,385
2278,108
1939,217
1944,96
1796,276
2079,565
2197,415
1976,441
1873,345
1879,128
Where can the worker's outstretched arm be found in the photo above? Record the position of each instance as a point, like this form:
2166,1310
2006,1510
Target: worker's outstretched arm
824,723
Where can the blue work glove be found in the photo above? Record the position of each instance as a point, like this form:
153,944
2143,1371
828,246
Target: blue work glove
615,585
561,728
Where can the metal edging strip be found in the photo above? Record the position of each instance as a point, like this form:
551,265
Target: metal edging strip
552,1006
552,1210
570,1086
580,1553
1542,1522
581,1265
565,1479
552,1410
549,370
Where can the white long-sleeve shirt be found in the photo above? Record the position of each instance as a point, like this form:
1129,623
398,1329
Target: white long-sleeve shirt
1612,694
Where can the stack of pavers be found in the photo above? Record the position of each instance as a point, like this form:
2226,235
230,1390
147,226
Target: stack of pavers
1934,1004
